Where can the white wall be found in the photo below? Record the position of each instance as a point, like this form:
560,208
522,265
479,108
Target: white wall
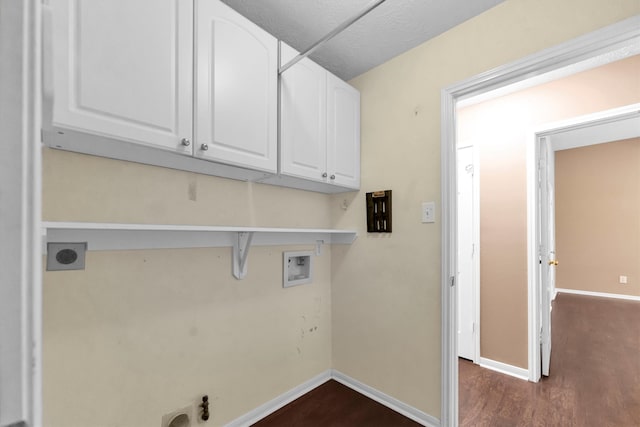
139,334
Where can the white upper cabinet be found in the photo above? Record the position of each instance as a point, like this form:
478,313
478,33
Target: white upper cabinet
303,118
319,129
124,78
123,69
236,89
343,133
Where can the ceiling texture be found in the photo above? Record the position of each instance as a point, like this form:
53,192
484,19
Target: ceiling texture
389,30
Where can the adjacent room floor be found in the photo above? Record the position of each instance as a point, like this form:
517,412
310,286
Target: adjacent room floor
594,375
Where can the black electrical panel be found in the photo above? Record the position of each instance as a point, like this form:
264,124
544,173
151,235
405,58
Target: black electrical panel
379,212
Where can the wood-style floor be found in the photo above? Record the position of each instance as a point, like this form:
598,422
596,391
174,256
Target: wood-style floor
335,405
594,376
594,381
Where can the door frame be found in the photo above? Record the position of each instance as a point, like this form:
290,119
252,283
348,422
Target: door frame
475,283
577,124
613,38
20,201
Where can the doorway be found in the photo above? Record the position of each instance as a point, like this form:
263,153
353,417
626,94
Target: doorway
598,128
614,40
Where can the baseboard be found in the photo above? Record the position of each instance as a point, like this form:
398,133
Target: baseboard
386,400
598,294
503,368
273,405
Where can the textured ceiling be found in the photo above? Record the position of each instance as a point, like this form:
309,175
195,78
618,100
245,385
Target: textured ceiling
391,29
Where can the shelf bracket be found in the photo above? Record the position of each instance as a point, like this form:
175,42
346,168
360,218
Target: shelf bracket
241,245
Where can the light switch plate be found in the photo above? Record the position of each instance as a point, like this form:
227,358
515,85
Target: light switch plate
428,212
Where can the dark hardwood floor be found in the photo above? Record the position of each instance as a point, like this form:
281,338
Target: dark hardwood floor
335,405
594,381
594,373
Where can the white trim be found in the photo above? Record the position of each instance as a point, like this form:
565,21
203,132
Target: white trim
284,399
591,45
598,294
386,400
504,368
392,403
533,261
20,186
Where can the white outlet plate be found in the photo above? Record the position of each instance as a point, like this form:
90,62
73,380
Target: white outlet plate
623,280
428,212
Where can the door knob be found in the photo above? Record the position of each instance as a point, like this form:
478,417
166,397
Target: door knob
185,142
553,262
204,147
324,175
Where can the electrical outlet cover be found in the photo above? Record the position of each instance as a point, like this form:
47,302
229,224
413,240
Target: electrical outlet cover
66,256
179,418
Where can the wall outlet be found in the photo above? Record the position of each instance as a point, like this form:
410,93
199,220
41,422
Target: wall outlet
179,418
623,280
428,212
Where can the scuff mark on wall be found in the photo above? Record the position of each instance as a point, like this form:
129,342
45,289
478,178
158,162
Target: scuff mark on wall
192,190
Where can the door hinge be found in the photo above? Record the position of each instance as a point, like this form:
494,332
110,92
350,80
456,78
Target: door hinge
452,280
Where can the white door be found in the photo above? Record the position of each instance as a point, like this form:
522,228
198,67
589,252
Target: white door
303,119
124,69
236,89
547,258
465,279
343,133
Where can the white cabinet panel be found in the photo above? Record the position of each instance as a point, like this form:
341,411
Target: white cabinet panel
319,129
236,89
343,133
303,125
123,69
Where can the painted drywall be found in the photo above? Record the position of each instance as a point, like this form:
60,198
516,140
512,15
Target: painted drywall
501,128
598,217
386,289
139,334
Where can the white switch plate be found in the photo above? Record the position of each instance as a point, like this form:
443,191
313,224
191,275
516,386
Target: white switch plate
428,212
623,280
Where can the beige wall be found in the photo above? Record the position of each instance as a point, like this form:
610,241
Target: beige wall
141,333
386,289
501,128
598,217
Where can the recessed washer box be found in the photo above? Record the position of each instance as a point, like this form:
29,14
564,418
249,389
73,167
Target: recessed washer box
297,268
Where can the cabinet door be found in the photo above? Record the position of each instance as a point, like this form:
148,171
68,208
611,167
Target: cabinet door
236,89
123,69
303,118
343,133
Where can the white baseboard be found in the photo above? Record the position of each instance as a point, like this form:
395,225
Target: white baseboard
386,400
273,405
598,294
503,368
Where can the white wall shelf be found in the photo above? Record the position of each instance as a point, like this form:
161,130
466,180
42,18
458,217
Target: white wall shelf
111,236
